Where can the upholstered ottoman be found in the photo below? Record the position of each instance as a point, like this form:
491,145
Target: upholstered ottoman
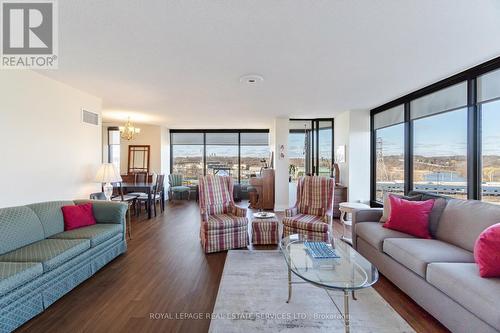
265,231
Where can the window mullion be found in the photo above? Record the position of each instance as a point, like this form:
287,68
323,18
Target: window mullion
473,142
408,150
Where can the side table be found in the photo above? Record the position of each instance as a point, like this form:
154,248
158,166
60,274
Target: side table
347,208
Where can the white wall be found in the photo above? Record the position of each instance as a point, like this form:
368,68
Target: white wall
47,152
352,128
279,135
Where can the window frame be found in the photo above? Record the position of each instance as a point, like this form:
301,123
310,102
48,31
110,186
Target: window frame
474,153
205,132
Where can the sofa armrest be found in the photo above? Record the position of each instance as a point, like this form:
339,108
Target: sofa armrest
107,211
364,215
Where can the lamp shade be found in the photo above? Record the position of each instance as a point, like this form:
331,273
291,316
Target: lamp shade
108,173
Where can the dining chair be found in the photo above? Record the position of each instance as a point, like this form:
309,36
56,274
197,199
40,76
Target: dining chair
139,177
156,196
97,196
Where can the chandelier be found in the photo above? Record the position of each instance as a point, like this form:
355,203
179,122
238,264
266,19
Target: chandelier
128,131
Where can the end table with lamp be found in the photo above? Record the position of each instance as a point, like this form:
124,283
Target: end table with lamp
108,174
347,208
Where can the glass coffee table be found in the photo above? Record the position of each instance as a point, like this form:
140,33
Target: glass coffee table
348,273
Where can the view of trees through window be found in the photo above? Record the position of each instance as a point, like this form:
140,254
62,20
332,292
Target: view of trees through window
188,161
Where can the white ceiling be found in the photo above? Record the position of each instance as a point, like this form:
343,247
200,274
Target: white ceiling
178,63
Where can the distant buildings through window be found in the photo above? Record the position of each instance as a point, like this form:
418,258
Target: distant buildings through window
240,154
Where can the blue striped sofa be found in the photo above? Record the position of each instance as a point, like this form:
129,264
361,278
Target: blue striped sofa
40,262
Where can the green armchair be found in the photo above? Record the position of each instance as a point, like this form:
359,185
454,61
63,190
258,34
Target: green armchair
176,186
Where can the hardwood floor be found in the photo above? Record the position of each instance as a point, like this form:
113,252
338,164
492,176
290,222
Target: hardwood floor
165,273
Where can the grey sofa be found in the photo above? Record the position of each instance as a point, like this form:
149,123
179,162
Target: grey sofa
40,262
439,274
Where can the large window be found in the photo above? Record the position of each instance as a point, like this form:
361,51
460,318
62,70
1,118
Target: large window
489,99
222,154
238,153
187,155
114,146
254,149
325,148
440,154
310,147
389,152
441,139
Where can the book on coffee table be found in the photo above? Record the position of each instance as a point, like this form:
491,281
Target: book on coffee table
320,250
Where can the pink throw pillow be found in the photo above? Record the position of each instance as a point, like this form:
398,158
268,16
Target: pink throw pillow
411,217
78,216
487,252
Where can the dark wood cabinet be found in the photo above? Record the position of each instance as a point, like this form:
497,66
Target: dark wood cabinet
339,195
264,184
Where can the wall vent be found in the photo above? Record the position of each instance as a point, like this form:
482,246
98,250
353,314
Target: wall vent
90,117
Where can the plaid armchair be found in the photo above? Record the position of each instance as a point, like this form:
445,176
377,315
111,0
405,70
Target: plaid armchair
312,214
224,226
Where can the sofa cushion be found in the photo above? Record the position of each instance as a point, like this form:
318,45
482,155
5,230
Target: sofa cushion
374,233
462,283
410,217
415,254
19,226
50,215
78,216
15,274
107,211
487,252
306,222
387,203
50,252
463,220
223,222
437,210
179,188
97,233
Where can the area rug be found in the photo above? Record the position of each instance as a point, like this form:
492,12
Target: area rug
254,288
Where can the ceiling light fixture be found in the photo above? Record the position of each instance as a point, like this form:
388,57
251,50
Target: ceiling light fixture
128,131
251,79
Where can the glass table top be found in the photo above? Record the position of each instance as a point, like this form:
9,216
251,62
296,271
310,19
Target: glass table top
349,272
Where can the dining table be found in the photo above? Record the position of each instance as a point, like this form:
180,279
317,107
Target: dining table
148,188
